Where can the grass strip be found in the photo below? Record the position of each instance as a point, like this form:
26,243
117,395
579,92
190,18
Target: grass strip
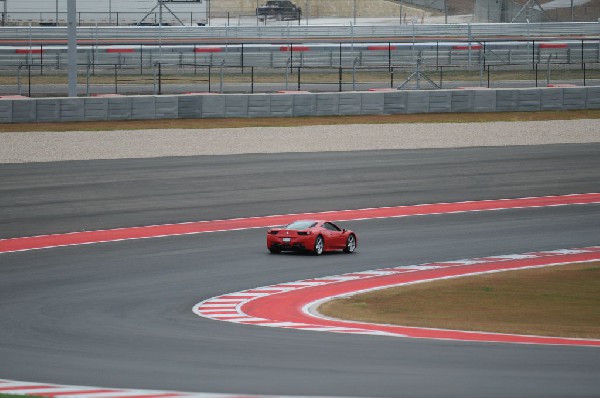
300,121
557,301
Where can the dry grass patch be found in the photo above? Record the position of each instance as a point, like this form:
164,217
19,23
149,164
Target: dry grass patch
560,301
300,121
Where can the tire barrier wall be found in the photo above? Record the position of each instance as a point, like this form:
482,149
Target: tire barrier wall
23,110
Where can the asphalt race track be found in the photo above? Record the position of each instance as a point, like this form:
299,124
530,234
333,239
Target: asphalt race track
120,314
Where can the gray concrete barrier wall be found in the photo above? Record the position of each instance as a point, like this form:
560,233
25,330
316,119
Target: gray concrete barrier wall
17,110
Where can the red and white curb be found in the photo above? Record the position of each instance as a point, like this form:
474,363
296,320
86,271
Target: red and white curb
156,231
12,387
292,305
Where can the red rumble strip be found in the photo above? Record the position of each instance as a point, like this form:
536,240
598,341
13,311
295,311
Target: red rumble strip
293,305
154,231
55,390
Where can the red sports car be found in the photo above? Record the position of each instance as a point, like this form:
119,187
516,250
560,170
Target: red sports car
316,236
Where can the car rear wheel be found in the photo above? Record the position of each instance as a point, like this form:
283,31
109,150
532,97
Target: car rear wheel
274,251
350,244
319,246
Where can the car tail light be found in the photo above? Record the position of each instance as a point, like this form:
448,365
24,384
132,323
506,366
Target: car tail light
271,232
303,232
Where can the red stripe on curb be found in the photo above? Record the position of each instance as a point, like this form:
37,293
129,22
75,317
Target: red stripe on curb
112,235
78,392
22,388
34,387
291,309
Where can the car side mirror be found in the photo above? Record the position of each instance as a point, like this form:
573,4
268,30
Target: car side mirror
344,230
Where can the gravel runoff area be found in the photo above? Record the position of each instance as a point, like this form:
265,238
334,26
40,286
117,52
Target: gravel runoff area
60,146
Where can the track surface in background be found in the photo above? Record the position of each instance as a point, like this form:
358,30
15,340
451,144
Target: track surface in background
119,314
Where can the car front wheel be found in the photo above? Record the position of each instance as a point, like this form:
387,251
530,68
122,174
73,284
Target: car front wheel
319,245
350,244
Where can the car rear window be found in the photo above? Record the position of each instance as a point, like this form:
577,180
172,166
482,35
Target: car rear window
298,225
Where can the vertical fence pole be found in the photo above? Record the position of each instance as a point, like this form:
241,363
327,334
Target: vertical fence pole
252,80
354,74
116,78
87,80
72,51
19,88
299,78
195,61
548,69
141,59
287,72
532,54
582,57
221,77
389,55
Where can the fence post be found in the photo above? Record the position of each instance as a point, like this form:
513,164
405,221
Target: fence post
29,78
154,79
42,58
582,57
389,55
141,59
221,78
299,78
87,80
532,53
548,69
481,69
287,73
252,80
354,74
116,79
19,79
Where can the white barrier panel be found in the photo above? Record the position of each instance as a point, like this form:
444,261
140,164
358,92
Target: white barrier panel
198,106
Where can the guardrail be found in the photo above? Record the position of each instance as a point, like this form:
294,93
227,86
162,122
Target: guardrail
233,34
16,110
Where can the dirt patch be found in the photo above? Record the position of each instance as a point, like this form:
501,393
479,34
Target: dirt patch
559,301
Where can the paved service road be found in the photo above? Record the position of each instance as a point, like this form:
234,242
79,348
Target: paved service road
120,314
